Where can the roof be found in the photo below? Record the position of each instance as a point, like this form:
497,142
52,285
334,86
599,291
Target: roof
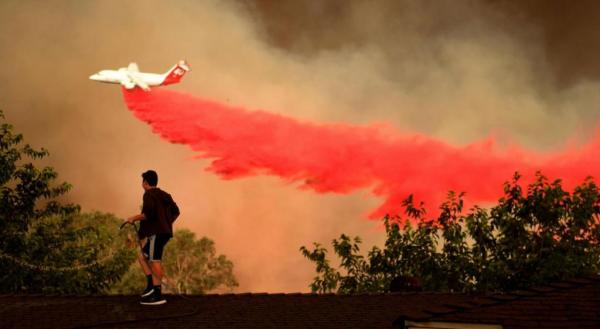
569,304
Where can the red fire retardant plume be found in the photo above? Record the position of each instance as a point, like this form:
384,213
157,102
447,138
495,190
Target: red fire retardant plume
342,158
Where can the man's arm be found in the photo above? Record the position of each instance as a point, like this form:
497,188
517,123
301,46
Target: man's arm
148,207
174,210
136,218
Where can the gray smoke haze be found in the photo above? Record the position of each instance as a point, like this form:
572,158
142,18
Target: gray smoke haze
524,71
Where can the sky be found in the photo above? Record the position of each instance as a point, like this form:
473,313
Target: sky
524,72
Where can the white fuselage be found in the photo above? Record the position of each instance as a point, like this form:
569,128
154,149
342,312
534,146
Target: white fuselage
130,76
117,76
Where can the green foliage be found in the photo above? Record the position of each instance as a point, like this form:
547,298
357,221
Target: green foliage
131,283
191,266
48,246
79,253
528,238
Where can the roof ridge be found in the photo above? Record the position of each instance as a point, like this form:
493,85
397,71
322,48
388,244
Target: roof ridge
563,284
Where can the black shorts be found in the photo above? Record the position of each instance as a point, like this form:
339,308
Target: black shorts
153,249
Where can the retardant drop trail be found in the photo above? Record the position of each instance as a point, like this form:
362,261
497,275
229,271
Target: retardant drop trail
342,158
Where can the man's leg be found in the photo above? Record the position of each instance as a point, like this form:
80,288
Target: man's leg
157,272
155,251
155,258
144,264
146,268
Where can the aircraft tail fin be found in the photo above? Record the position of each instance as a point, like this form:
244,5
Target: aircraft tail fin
176,73
133,67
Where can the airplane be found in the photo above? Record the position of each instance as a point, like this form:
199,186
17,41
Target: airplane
130,76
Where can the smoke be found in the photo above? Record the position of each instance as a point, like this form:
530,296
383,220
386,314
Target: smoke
523,72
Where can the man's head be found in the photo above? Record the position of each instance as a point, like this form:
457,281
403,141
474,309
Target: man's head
149,179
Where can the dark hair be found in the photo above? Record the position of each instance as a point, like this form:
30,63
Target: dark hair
151,177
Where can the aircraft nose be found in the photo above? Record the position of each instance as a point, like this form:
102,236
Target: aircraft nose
95,77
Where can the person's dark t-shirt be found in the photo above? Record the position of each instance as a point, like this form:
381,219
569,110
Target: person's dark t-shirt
160,211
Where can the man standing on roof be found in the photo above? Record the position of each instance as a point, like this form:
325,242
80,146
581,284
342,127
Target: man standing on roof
159,211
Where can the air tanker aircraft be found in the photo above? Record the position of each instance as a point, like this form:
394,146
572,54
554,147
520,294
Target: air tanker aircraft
130,76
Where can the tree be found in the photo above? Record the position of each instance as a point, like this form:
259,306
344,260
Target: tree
529,238
191,267
48,246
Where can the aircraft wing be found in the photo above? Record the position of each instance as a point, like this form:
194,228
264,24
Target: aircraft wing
138,81
127,83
